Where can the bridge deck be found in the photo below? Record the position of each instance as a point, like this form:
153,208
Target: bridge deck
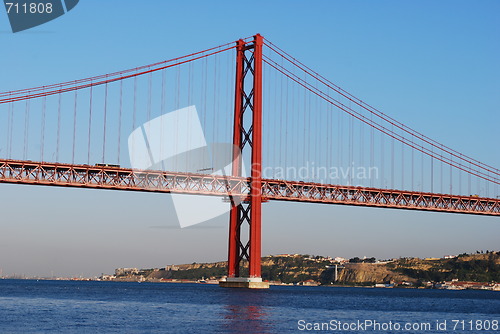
116,178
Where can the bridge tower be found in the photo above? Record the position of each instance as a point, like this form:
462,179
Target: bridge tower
247,138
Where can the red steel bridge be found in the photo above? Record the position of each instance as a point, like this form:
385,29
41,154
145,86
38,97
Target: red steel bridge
306,139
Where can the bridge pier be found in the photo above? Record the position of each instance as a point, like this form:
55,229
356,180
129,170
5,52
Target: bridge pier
244,282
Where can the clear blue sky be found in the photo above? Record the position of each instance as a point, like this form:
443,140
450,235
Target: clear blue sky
431,65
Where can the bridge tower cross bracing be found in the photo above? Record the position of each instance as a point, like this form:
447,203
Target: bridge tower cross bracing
247,137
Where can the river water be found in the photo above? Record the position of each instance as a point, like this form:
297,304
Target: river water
30,306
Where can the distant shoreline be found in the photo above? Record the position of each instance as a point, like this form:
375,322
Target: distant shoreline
479,271
64,279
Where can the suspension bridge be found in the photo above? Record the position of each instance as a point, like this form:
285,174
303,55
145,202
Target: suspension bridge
302,137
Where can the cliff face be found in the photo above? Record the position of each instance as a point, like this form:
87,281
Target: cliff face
369,273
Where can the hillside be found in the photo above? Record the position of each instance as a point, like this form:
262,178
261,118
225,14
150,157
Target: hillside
465,267
301,268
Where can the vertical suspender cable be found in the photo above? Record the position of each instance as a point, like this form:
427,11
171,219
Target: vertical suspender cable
403,166
339,143
392,159
372,148
190,71
469,182
382,161
214,116
26,124
275,153
317,114
266,108
329,129
120,122
150,92
451,175
287,141
134,113
89,137
220,116
441,171
412,165
10,129
460,180
58,126
310,131
162,111
104,124
351,147
177,105
432,172
74,126
422,168
332,164
281,122
362,146
296,131
42,127
305,138
204,90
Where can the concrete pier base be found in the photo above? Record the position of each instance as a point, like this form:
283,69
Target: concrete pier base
244,282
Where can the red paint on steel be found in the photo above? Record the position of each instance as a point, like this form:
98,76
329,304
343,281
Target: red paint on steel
233,268
256,177
86,83
376,112
248,98
114,178
377,126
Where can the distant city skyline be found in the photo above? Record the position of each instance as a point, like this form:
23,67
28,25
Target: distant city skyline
432,66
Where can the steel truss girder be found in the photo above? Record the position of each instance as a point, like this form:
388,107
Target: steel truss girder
373,197
65,175
84,176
